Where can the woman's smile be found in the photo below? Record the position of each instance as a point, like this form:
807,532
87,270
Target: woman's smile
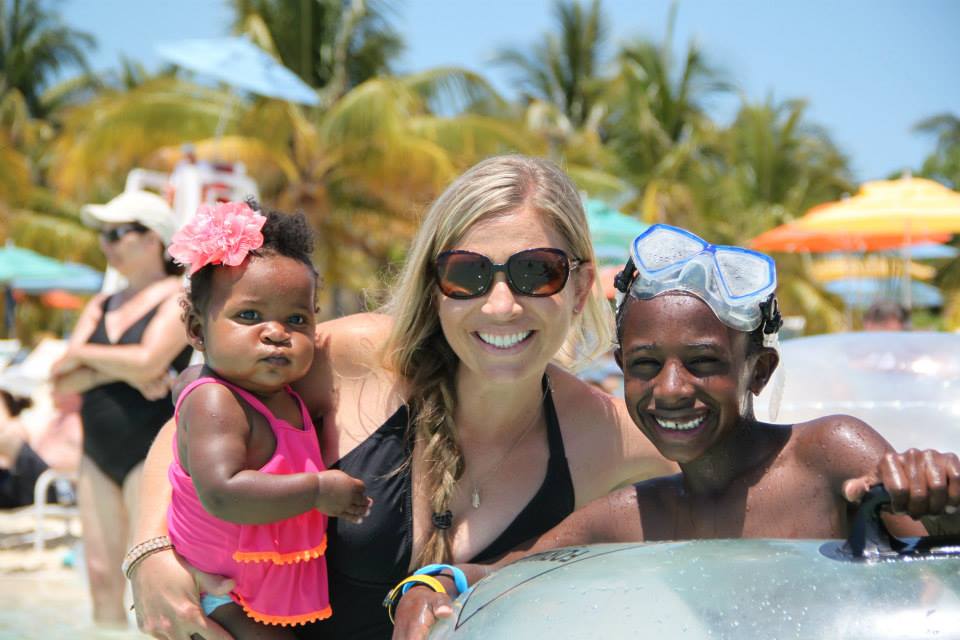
504,341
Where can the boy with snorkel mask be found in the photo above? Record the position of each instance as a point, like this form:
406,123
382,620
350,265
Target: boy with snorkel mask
697,330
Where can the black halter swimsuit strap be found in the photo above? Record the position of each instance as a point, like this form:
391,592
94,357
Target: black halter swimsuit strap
553,502
364,561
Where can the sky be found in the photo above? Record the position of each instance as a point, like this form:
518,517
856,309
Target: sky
869,69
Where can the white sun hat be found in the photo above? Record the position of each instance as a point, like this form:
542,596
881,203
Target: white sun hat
144,207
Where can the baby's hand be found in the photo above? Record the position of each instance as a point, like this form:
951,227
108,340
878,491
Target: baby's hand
342,496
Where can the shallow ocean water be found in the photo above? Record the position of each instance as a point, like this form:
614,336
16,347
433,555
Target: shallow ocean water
43,594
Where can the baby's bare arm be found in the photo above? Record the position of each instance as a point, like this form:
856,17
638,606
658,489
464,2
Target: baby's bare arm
212,433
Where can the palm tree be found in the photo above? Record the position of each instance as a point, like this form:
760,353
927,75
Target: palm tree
657,125
17,132
769,167
563,70
102,139
330,44
944,163
35,46
360,169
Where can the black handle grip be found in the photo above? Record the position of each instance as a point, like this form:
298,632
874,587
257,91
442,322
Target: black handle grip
867,526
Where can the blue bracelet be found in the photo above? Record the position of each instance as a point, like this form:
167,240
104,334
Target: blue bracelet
459,578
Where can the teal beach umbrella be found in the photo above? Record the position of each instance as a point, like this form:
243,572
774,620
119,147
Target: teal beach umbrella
17,262
611,232
73,277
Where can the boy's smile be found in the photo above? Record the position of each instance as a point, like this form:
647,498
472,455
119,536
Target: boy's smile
686,375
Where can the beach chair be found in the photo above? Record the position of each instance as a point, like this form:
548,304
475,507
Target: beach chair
42,510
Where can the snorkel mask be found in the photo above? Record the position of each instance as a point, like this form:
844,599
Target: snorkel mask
736,283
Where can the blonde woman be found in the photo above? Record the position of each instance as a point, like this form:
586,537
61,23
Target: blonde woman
450,406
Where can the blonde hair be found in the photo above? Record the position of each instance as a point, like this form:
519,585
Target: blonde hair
417,348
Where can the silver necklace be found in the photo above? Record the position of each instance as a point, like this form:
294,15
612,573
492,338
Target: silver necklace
475,492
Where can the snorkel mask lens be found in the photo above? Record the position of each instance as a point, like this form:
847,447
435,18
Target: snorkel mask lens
733,281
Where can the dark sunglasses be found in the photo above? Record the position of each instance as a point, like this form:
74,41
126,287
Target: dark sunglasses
533,272
112,235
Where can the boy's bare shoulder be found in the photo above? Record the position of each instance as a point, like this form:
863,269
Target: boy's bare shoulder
841,446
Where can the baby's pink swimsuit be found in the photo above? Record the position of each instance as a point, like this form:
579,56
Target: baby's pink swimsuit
279,568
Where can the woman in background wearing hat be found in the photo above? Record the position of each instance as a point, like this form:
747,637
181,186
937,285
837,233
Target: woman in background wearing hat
120,358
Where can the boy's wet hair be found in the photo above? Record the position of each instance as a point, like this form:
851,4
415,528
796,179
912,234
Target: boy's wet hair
285,234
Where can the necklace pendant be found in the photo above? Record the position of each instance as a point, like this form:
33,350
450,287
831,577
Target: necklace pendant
475,498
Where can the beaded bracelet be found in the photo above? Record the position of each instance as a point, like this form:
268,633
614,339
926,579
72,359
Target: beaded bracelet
139,552
390,602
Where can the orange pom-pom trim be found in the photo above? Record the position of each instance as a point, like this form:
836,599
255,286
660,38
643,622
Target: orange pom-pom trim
285,621
282,558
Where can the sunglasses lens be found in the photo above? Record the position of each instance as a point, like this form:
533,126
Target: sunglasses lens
538,272
112,235
464,275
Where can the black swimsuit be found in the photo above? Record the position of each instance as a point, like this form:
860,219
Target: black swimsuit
119,424
364,561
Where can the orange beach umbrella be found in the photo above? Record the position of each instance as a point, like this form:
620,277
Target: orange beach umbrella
791,238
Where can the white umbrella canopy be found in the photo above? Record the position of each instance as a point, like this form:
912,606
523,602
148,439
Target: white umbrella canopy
241,64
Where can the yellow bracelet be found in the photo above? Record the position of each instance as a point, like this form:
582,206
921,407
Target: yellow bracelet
390,602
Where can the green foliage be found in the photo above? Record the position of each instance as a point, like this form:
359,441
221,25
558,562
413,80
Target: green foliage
768,167
943,164
34,47
323,41
629,125
563,68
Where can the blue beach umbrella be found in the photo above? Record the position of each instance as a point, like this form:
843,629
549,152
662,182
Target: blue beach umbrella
862,292
241,64
929,251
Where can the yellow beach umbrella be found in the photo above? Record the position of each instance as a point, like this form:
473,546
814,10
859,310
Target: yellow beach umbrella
839,268
908,206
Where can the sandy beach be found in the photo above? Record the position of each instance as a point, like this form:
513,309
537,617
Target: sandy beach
44,593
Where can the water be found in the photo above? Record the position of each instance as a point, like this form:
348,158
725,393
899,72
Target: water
49,603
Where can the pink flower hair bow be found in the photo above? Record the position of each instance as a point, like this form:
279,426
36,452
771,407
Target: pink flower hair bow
220,234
